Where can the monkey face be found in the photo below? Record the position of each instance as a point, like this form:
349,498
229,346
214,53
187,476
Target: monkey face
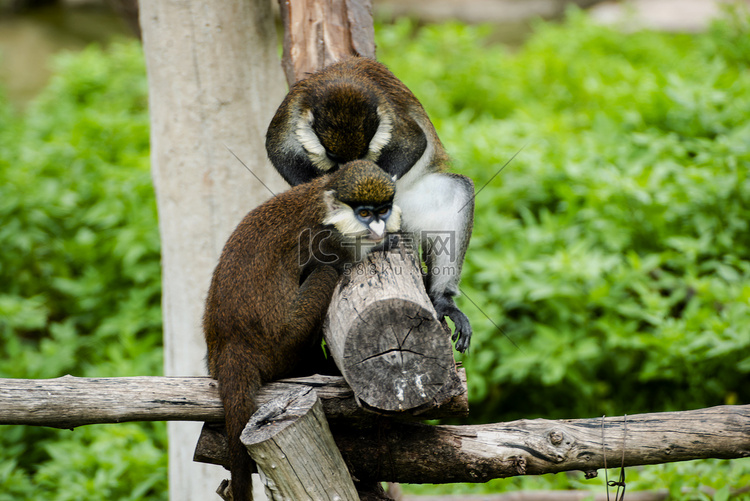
362,228
374,219
360,203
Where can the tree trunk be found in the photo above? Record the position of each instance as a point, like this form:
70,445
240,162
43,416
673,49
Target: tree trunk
321,32
214,82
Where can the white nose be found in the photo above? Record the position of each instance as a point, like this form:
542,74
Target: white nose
377,227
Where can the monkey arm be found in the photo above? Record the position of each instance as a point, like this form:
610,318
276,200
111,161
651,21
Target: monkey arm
439,210
445,306
286,153
304,317
402,153
286,160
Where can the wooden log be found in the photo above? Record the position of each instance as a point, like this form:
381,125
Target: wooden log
68,401
395,451
383,334
320,32
292,446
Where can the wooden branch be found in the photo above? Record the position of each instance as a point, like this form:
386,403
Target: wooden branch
291,443
417,453
577,495
383,334
320,32
68,401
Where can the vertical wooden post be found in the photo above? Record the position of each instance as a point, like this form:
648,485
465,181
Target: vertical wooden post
297,458
321,32
214,83
382,331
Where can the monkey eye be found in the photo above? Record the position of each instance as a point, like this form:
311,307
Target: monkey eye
364,213
383,211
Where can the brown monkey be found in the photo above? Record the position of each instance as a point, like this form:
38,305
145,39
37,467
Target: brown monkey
273,284
355,109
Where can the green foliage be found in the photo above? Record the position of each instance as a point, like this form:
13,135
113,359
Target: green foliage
609,270
614,249
81,274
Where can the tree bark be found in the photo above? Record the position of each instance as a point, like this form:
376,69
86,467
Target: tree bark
68,402
403,452
321,32
214,82
382,331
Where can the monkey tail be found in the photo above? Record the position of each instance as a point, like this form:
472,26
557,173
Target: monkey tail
239,382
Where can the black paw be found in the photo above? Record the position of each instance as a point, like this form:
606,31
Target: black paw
446,307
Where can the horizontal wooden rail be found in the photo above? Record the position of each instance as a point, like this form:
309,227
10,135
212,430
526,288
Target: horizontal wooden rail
69,401
408,452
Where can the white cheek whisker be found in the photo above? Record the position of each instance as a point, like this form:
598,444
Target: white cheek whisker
311,143
394,221
382,135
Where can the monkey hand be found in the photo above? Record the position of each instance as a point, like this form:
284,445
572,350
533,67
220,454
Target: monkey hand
391,241
446,307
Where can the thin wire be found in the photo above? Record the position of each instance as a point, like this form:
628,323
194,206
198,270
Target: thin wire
493,177
621,481
604,453
491,321
250,170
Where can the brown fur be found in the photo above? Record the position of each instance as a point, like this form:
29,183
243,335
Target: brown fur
268,298
344,98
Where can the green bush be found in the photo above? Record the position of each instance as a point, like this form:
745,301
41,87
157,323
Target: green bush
608,272
612,255
81,274
609,269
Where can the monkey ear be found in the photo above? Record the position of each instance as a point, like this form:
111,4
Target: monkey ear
332,204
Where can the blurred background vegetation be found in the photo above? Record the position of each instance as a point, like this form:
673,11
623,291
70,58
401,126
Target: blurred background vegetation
609,270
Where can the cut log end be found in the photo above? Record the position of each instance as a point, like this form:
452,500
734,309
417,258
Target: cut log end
383,333
397,365
275,415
